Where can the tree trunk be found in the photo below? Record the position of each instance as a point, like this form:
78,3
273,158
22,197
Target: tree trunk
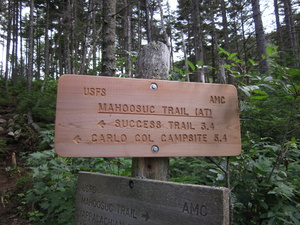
86,40
127,46
278,26
260,38
8,40
92,51
148,22
198,45
129,43
215,55
73,38
226,39
67,54
109,36
139,26
22,72
60,50
186,67
38,56
47,58
290,29
14,58
163,25
30,57
153,62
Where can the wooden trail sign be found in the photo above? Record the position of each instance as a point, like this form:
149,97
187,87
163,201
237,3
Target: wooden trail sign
106,199
122,117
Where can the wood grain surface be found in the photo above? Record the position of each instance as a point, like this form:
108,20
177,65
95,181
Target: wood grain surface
106,199
123,117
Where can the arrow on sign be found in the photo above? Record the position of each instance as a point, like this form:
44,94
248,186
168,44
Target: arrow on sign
77,139
101,124
146,216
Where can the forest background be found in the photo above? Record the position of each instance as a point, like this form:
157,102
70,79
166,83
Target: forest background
222,41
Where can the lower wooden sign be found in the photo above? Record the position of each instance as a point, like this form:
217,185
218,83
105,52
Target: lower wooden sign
122,117
106,199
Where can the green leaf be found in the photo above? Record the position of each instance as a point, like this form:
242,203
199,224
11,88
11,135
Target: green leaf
259,92
258,97
245,90
227,66
191,65
178,70
45,205
233,54
269,50
252,62
223,51
200,63
39,185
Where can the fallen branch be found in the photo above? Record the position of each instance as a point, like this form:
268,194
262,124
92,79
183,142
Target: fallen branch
34,125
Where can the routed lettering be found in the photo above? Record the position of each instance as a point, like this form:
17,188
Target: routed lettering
179,111
207,126
126,211
194,209
217,99
181,125
125,108
117,117
99,219
176,138
148,124
220,138
109,138
92,91
95,203
205,112
88,188
144,138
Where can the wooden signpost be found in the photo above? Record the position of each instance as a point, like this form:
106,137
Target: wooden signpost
122,117
105,199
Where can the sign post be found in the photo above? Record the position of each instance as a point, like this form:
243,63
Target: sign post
106,199
122,117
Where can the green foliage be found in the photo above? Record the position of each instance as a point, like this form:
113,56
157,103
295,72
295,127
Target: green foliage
53,189
41,101
195,170
10,98
2,145
2,142
191,65
181,75
265,178
264,187
54,183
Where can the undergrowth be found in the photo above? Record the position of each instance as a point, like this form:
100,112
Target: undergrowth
264,180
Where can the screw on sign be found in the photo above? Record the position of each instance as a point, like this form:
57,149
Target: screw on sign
153,86
146,122
154,148
127,200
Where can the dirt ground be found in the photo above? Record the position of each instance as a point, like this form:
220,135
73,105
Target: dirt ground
11,170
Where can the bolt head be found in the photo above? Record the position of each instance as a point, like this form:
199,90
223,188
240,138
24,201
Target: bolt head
153,86
154,148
